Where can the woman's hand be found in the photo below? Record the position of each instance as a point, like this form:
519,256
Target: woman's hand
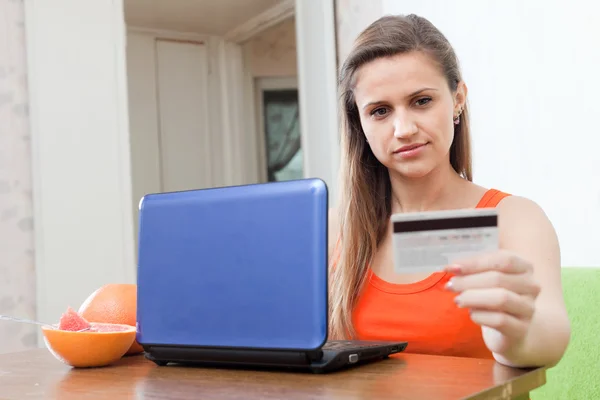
517,300
499,290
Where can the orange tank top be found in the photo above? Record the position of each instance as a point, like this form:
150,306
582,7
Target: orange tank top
422,313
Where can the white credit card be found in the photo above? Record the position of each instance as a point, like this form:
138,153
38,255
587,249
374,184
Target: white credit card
429,241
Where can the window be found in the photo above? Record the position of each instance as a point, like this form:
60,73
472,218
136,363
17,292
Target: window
280,130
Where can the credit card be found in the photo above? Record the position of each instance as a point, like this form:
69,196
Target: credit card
429,241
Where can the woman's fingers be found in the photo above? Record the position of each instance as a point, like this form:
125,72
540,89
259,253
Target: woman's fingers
506,324
497,300
500,260
520,284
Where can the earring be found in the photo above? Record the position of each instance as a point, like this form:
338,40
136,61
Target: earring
457,118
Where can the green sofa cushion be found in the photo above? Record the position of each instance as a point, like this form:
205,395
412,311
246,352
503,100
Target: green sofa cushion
577,375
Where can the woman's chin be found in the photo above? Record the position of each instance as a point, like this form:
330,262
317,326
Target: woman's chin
410,172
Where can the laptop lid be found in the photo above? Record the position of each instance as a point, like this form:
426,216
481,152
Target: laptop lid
241,266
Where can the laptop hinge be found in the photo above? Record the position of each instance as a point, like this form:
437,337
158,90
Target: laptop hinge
315,355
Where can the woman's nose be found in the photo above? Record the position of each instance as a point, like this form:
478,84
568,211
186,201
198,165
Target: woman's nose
404,126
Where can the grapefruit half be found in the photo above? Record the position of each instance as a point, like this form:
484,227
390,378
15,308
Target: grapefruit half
101,345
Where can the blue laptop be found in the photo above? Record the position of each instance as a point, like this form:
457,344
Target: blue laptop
237,276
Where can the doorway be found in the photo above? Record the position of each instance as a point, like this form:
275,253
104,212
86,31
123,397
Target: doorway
192,104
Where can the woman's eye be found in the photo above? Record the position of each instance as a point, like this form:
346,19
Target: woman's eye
379,112
423,101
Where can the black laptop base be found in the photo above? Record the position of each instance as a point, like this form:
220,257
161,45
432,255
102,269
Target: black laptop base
333,356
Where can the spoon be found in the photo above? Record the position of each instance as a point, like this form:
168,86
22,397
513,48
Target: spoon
29,321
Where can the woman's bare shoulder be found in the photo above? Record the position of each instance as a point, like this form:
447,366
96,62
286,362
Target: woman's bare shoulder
526,229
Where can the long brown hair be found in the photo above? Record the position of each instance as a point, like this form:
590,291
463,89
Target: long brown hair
365,204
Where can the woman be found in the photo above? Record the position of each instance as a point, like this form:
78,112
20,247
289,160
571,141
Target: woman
406,147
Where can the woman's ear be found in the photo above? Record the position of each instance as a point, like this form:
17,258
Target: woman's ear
460,96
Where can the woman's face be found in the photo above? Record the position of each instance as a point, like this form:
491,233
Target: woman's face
406,110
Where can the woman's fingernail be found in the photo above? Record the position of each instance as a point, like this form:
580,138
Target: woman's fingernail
454,269
458,302
450,285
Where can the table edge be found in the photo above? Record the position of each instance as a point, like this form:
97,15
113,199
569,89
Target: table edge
517,386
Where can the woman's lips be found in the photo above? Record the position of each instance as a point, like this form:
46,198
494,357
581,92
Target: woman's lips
411,150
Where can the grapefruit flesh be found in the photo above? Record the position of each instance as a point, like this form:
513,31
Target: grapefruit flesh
71,321
99,327
114,303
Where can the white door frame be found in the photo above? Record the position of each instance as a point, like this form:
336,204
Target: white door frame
84,230
317,80
317,84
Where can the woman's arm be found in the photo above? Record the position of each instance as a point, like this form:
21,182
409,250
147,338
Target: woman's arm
515,294
526,231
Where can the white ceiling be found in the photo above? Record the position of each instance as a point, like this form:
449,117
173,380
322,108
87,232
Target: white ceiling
212,17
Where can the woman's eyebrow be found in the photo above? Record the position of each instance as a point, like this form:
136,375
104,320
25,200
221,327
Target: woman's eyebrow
420,91
416,92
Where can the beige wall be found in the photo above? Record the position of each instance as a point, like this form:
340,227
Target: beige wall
17,270
273,52
352,16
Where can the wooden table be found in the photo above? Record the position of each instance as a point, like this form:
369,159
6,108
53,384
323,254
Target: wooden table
36,374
